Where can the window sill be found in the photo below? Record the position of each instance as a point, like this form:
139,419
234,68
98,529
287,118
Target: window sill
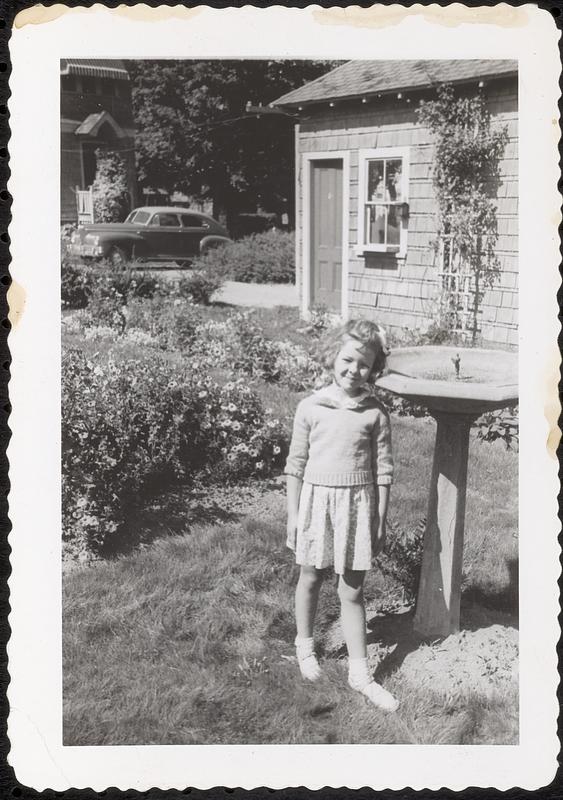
365,249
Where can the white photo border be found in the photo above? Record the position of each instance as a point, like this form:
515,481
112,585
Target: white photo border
37,755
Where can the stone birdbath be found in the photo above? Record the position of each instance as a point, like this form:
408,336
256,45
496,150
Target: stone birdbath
456,385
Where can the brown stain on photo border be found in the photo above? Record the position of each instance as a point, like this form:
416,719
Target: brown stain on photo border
16,296
40,14
378,16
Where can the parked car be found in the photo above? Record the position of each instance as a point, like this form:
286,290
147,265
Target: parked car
151,233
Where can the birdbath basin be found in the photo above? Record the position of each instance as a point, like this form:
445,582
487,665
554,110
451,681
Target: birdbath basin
457,385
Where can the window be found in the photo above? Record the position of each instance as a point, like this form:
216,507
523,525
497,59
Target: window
191,221
138,217
383,203
165,221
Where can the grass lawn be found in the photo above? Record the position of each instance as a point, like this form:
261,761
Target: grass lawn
189,639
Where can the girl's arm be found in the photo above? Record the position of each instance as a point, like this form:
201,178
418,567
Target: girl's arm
294,485
295,465
378,535
382,456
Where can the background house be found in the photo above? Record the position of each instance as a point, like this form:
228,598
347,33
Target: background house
365,205
96,112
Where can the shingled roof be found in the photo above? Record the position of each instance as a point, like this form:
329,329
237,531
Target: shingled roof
362,78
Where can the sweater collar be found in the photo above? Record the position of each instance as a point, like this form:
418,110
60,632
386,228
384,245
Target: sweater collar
334,397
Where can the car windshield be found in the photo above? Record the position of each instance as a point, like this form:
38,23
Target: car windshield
138,217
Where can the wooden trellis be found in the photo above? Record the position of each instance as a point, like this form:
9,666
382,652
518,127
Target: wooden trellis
457,289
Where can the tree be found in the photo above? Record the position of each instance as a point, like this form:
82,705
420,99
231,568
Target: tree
110,193
466,173
193,134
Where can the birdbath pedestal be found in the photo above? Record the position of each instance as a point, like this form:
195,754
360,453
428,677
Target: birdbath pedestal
456,385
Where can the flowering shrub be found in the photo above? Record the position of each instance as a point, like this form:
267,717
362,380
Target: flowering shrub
169,323
239,344
297,369
262,258
132,430
243,440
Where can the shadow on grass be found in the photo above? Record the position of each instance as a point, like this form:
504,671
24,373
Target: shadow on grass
481,607
181,510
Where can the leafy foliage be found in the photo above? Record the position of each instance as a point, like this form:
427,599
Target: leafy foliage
261,258
76,284
199,286
401,559
467,157
109,190
135,428
193,133
502,424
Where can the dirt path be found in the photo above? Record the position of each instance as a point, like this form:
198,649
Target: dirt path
265,295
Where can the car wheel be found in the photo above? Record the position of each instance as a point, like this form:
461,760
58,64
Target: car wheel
117,257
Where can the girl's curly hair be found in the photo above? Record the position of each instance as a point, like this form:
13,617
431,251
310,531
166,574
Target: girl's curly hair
368,333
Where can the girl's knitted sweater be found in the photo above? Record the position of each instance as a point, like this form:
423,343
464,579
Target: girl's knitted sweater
341,441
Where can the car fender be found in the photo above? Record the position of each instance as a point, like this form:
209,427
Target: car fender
130,242
211,241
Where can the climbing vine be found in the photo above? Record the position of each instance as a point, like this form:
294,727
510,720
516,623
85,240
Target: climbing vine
466,175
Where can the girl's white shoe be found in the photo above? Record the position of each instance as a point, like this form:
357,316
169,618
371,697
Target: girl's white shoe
307,660
360,679
377,695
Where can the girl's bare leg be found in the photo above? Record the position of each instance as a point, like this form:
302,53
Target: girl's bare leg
306,600
350,590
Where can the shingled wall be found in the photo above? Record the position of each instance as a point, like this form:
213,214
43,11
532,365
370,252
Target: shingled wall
402,292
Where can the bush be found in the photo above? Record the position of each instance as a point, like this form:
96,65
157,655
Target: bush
401,406
77,283
262,258
105,290
170,323
134,429
401,559
110,192
239,344
199,286
501,424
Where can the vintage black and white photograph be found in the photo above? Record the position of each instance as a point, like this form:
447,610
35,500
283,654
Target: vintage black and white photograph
267,267
290,298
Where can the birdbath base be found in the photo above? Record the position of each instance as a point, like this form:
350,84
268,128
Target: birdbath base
438,603
456,385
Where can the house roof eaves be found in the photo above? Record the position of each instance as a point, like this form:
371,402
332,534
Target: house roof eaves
340,96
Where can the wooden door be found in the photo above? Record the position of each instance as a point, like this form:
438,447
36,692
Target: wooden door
326,233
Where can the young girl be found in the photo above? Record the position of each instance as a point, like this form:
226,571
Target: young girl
339,471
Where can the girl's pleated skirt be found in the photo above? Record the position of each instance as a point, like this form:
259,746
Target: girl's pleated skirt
334,527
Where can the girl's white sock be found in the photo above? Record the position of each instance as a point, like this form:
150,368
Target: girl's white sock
360,679
306,658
